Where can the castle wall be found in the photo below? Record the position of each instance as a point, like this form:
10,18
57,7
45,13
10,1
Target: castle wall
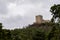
39,19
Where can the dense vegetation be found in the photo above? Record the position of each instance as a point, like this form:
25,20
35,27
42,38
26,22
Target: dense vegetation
44,31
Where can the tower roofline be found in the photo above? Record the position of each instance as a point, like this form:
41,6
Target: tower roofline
39,15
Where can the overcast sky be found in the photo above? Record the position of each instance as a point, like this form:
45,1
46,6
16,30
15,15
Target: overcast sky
19,13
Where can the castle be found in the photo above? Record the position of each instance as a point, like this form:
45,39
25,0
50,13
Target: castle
39,19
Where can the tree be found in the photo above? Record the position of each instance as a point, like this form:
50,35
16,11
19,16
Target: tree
39,36
55,10
0,26
0,31
51,34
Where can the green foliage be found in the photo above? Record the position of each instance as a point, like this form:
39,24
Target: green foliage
32,33
1,31
55,10
28,34
39,36
44,31
0,26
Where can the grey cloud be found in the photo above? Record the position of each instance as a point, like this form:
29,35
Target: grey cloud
12,22
13,19
31,9
17,22
12,1
3,7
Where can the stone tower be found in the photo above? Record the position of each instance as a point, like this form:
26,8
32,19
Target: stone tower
39,19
